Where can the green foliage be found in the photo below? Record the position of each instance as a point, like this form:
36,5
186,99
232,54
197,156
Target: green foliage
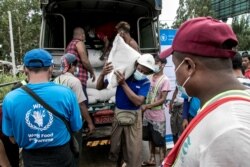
241,27
190,9
195,8
163,25
8,79
26,20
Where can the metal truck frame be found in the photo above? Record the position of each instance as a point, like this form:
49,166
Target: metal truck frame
60,17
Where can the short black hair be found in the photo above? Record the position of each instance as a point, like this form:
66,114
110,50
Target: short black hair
163,61
237,61
74,63
124,26
245,54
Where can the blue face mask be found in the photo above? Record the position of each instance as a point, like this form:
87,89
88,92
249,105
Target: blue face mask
139,76
181,88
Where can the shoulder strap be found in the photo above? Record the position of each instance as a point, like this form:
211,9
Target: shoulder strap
170,159
157,85
45,105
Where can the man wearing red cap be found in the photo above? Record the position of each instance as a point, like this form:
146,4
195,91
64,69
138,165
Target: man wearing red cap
219,134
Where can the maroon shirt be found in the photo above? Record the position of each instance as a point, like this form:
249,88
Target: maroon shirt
83,73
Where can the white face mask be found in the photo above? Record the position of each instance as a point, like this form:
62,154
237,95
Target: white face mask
157,68
181,88
139,76
76,71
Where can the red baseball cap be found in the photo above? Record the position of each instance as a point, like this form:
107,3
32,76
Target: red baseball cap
203,36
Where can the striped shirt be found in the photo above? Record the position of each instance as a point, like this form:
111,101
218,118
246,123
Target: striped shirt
83,73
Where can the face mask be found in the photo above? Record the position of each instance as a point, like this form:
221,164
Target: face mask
139,76
157,69
76,71
181,88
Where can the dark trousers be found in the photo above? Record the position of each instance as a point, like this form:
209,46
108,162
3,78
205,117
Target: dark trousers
85,93
12,151
60,156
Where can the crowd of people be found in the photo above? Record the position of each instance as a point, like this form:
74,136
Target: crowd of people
209,109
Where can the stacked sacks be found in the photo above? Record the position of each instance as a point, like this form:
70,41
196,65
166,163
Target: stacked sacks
103,95
94,58
95,95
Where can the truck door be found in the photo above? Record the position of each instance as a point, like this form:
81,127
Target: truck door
148,38
53,36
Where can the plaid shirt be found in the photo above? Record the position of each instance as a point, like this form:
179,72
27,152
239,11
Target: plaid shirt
83,73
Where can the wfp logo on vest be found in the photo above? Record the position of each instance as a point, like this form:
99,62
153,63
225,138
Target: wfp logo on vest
167,36
38,118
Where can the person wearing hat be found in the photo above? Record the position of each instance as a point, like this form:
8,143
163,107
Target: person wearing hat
126,138
43,136
67,78
219,134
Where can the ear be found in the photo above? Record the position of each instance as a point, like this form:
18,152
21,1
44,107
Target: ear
25,69
136,64
191,67
51,69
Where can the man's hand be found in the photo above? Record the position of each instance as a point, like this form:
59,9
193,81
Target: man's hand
144,107
184,123
12,140
120,77
106,41
107,68
92,75
91,128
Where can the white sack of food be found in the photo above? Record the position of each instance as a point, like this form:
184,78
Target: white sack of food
106,94
112,99
94,58
92,99
92,92
101,95
123,58
91,84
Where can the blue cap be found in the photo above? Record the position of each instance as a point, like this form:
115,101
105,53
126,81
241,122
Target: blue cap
66,60
37,58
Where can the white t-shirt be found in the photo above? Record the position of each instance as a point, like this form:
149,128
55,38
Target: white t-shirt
221,139
244,81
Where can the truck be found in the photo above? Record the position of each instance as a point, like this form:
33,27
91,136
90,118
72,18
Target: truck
60,17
